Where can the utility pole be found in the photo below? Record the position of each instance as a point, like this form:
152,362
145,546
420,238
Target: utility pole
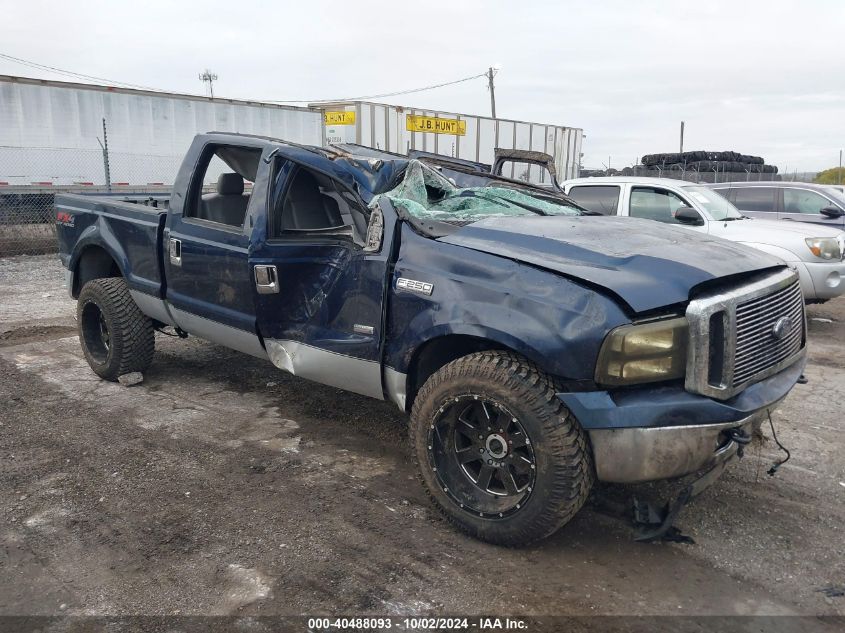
208,77
682,137
839,173
490,75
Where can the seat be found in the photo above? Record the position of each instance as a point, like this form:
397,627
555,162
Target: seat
307,208
228,205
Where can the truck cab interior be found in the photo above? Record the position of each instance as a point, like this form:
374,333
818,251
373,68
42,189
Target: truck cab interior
227,204
310,202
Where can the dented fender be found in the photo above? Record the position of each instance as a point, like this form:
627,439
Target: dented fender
553,321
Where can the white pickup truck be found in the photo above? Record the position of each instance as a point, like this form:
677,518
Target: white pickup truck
816,252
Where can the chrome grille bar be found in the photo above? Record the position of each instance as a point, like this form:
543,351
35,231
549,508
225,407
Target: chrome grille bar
745,348
756,321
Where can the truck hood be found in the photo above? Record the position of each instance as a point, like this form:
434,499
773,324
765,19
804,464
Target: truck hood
646,264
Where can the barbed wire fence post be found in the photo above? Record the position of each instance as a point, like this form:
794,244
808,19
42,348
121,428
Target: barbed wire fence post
105,146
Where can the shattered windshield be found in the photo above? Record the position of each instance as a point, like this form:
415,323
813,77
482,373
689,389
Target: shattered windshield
428,195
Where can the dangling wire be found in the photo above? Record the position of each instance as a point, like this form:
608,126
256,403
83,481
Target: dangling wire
777,465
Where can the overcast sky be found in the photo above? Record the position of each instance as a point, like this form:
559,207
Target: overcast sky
763,78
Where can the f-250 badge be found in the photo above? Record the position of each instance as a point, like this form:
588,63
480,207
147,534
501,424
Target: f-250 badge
414,286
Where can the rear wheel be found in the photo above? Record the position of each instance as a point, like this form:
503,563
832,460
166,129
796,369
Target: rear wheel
115,335
498,452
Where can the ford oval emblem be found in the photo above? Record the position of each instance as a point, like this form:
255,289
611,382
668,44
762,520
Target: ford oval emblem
782,328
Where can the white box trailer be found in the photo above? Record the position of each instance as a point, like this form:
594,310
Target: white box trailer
50,131
400,129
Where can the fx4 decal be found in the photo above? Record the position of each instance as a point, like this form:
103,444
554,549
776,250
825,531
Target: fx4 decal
64,218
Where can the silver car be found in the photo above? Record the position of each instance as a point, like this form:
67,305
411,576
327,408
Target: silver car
795,201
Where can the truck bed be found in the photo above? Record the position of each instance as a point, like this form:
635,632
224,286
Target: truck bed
131,233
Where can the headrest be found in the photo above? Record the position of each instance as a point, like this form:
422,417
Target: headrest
230,185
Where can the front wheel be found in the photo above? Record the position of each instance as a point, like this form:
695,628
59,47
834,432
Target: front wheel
115,335
498,453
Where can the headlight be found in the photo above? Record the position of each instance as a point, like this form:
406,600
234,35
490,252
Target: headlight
824,247
647,352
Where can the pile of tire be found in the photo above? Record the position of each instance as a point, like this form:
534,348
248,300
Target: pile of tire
708,161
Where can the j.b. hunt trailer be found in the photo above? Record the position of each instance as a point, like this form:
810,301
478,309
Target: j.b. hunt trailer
402,129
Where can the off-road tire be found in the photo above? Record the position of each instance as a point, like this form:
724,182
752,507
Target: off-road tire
130,334
564,467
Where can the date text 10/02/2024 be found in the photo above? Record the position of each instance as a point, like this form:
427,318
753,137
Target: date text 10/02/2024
417,624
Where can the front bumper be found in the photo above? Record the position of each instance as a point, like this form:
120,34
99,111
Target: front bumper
827,279
666,432
645,454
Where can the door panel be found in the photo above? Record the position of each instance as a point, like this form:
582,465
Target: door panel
325,322
213,280
209,280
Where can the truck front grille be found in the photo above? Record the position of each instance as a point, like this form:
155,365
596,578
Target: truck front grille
743,335
757,345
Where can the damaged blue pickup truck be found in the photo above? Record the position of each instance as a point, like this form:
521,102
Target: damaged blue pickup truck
536,347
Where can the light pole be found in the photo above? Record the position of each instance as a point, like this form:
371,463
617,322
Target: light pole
208,77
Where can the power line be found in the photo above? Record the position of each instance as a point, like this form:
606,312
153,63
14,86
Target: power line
71,73
381,96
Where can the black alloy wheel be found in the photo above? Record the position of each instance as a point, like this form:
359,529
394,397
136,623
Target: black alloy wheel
482,456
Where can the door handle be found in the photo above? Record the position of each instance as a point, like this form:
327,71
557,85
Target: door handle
175,252
266,279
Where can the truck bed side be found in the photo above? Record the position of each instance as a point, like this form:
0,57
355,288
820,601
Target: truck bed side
130,234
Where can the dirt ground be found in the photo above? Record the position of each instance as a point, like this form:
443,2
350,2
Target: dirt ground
30,239
224,486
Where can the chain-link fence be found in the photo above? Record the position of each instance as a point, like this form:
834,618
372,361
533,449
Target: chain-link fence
703,176
30,177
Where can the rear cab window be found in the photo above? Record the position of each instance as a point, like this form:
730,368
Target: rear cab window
602,199
755,199
222,185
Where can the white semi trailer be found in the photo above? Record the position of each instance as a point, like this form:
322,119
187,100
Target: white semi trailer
51,132
470,137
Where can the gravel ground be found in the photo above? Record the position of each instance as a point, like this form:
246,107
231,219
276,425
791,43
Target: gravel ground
223,486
